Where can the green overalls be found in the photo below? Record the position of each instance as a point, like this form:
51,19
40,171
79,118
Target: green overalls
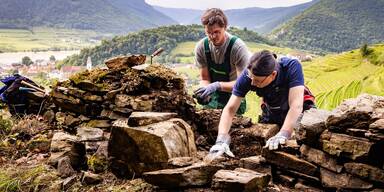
221,72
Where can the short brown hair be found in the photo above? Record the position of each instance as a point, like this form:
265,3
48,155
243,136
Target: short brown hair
214,16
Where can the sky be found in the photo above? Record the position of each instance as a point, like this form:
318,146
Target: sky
224,4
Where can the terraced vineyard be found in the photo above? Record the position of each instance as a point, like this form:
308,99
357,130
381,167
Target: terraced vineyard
334,78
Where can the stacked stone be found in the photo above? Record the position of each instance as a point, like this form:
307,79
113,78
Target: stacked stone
339,150
86,105
122,88
90,101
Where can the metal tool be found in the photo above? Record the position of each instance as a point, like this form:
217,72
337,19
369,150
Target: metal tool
32,86
156,53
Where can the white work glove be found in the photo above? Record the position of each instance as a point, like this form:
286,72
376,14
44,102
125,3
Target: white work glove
279,139
221,147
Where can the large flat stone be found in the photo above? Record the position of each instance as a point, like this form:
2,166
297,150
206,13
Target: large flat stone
378,125
99,123
365,171
256,163
285,180
249,141
345,145
146,118
356,113
195,175
330,179
375,137
62,141
89,134
63,145
320,158
64,167
137,103
113,115
178,162
300,186
68,103
289,161
240,180
151,144
124,62
311,126
262,131
314,180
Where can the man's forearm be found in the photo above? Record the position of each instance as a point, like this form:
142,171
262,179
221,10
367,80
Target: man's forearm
227,86
292,118
226,120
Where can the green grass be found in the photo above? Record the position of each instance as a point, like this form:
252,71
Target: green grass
256,47
12,40
25,179
185,48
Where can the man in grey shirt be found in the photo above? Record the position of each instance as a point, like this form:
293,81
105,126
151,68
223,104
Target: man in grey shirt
221,58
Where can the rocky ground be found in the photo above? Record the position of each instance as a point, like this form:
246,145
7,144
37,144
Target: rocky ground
133,127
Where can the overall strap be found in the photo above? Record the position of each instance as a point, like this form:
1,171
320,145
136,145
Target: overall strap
229,48
207,52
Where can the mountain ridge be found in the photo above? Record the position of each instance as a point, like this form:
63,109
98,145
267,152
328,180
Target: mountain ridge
261,20
334,26
113,16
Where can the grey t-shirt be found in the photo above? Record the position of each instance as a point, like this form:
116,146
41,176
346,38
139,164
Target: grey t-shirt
238,59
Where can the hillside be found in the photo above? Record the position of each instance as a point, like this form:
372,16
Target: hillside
113,16
334,26
147,41
262,20
335,77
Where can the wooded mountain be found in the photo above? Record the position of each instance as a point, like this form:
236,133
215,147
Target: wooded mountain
147,41
262,20
334,26
114,16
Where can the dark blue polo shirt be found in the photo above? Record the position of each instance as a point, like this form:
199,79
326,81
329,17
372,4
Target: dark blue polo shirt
289,74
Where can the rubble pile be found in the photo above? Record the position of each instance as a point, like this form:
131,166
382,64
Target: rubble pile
85,107
116,92
137,121
339,150
130,119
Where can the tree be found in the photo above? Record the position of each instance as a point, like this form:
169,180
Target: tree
52,58
26,61
365,50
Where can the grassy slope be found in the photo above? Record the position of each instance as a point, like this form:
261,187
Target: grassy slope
44,38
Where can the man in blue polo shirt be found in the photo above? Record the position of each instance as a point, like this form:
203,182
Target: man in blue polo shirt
280,84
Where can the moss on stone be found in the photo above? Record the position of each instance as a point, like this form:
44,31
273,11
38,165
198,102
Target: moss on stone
97,163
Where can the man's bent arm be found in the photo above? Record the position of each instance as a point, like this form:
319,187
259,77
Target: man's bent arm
295,100
228,113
